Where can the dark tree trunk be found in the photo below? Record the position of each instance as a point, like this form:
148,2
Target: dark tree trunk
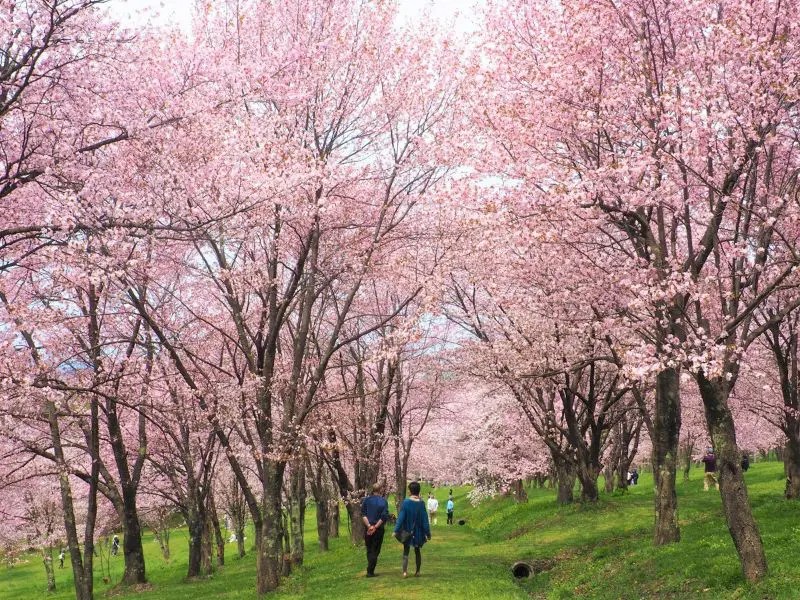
518,489
608,476
286,559
195,526
82,566
162,536
686,452
334,519
240,541
735,502
319,490
357,529
269,533
132,550
666,434
206,547
782,338
587,475
565,480
323,523
132,539
791,463
400,474
217,530
297,512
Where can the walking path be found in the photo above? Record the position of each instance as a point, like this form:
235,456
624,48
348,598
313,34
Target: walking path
456,563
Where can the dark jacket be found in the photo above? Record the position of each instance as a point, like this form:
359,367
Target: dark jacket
375,508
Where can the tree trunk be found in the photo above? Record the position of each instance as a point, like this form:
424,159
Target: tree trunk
206,546
588,475
132,540
520,495
269,535
686,455
622,476
334,519
132,550
240,541
735,502
323,523
47,559
565,479
666,433
791,462
608,475
217,530
83,584
162,536
195,525
400,474
297,512
357,529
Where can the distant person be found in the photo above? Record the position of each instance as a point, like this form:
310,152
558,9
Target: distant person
61,559
710,462
375,513
413,518
745,461
433,507
450,507
115,545
634,477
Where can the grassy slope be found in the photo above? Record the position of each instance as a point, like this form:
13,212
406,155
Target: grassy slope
595,552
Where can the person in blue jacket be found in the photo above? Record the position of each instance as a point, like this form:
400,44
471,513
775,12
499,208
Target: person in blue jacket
414,518
375,514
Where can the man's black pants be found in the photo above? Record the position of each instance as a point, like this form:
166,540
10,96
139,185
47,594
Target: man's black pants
373,543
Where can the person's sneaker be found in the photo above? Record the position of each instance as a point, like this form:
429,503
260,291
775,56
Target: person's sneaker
416,574
371,574
405,574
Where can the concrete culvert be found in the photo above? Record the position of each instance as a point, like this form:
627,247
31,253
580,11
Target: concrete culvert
462,522
522,570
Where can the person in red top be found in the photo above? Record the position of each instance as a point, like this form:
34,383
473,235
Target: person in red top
710,462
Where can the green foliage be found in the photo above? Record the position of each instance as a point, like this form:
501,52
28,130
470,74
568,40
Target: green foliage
600,552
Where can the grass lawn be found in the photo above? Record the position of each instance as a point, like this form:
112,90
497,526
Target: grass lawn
601,551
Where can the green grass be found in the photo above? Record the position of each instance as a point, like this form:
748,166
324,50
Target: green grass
601,551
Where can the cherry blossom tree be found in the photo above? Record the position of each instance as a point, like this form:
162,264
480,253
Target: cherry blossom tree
683,171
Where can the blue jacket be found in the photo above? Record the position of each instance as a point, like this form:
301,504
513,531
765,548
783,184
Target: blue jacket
414,518
375,508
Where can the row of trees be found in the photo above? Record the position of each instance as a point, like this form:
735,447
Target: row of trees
206,268
256,262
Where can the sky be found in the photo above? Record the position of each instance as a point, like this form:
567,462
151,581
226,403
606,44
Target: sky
136,12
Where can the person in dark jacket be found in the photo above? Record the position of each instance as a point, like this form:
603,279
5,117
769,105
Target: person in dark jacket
710,477
375,513
745,461
414,518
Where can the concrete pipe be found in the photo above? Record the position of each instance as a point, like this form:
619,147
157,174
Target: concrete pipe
522,570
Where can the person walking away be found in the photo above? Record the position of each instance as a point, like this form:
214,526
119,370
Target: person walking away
115,545
433,507
61,559
710,462
450,507
413,518
635,476
745,461
375,513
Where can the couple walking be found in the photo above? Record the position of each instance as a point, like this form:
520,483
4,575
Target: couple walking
412,518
